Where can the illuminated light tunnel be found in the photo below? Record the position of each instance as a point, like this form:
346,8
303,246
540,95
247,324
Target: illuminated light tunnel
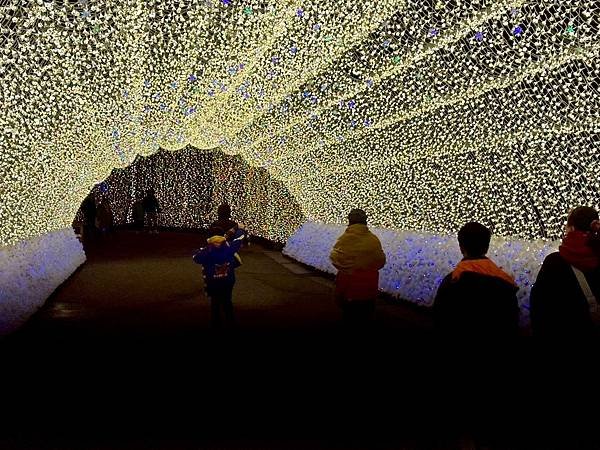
426,114
190,184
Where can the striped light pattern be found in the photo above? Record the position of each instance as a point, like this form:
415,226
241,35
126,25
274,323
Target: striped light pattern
425,113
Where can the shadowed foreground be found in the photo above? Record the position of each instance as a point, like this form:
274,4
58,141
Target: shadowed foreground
122,356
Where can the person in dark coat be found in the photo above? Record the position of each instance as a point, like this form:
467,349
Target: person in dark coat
224,221
477,299
138,215
151,210
219,260
105,217
559,305
89,210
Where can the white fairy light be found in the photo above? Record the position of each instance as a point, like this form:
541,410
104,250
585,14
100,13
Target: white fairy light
425,115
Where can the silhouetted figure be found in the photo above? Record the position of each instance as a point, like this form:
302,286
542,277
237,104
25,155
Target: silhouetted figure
88,208
477,299
358,256
151,210
104,217
564,298
138,215
219,260
224,221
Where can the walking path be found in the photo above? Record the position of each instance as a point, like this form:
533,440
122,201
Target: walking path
147,286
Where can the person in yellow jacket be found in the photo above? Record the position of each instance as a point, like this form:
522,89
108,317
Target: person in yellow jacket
358,256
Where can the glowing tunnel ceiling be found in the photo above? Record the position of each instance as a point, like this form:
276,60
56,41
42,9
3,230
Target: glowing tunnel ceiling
425,113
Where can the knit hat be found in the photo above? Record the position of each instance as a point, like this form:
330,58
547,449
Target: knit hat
224,211
582,218
357,216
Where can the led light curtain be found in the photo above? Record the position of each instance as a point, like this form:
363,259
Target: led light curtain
190,185
425,113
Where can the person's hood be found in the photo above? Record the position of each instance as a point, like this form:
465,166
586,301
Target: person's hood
577,252
216,241
357,228
482,266
357,249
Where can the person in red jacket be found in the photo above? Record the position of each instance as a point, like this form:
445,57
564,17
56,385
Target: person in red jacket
564,299
358,256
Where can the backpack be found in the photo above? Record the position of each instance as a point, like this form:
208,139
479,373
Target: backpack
221,271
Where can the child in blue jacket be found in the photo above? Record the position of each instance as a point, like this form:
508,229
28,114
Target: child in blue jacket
219,259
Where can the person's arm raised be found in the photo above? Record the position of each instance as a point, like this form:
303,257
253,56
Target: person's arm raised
238,240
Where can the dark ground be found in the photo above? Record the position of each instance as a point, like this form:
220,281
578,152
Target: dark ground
122,356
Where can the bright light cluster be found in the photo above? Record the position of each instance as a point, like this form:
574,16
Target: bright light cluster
182,182
31,271
424,113
259,201
190,185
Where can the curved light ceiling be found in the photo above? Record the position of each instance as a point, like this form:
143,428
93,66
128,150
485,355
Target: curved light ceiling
426,114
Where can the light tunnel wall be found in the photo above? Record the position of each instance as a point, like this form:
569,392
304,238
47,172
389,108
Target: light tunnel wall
190,184
426,113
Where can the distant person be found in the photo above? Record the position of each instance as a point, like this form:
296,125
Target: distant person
151,210
105,217
477,299
219,260
138,215
224,221
89,211
358,256
564,298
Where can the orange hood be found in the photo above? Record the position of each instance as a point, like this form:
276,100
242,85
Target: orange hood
482,266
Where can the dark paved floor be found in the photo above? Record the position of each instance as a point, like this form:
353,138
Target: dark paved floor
147,286
122,356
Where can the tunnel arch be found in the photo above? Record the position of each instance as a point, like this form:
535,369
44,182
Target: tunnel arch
422,114
190,184
426,114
